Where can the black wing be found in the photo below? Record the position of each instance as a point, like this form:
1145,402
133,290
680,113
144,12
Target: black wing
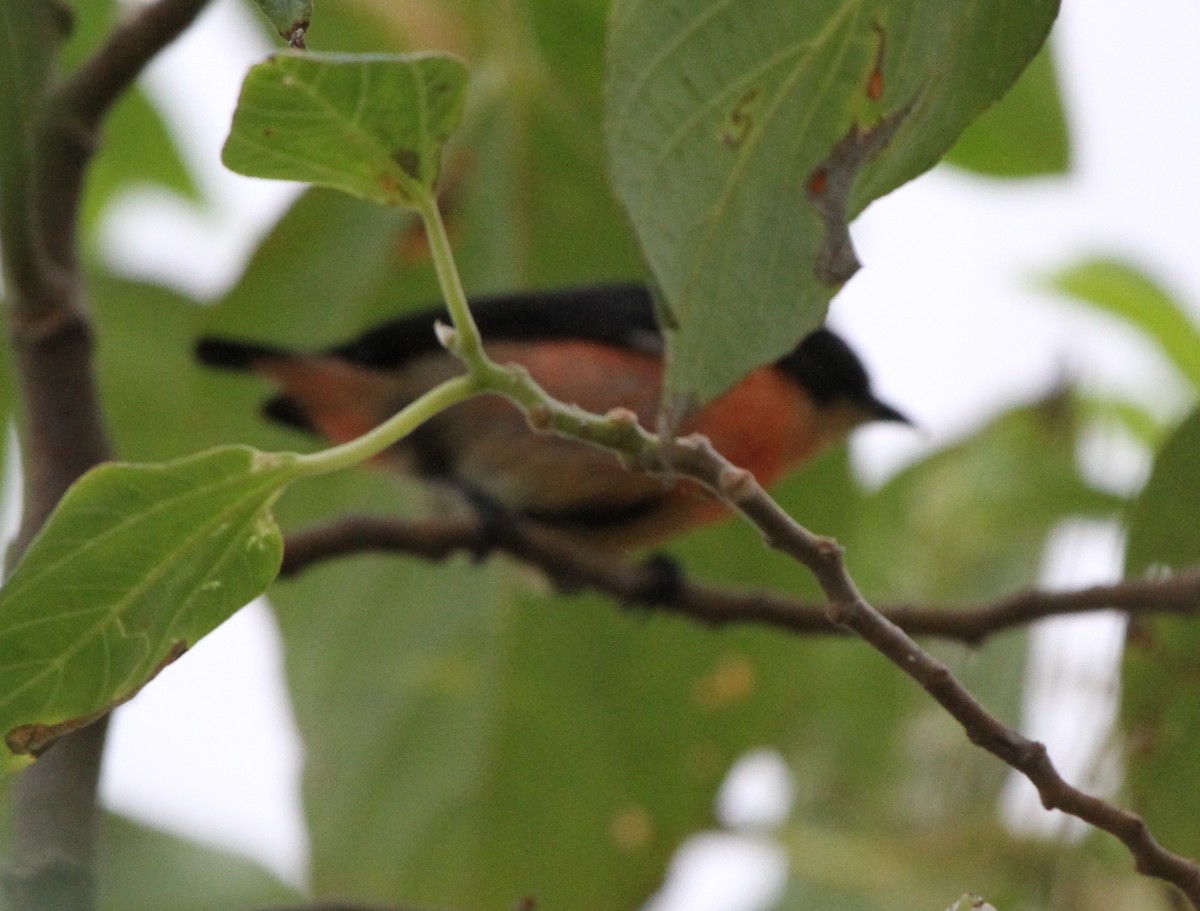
613,314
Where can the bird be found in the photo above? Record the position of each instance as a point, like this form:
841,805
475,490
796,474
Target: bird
597,347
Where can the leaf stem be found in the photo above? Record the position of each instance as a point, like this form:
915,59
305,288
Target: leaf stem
465,342
395,428
617,431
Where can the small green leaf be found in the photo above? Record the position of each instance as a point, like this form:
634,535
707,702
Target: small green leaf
369,125
1129,294
290,18
1024,134
135,565
744,137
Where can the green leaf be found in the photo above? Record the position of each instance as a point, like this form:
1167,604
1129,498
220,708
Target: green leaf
744,137
147,330
889,870
529,156
136,148
293,292
1024,134
135,564
29,33
1160,713
1124,291
90,24
964,526
1160,691
468,744
449,716
290,18
143,869
920,864
369,125
1163,530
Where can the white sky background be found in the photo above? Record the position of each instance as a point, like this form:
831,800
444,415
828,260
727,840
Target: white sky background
945,311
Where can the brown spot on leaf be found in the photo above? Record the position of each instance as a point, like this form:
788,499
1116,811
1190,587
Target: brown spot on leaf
829,187
731,682
631,828
875,85
741,120
875,80
35,738
295,35
30,738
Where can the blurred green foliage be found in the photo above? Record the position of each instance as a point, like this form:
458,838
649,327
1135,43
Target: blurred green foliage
473,737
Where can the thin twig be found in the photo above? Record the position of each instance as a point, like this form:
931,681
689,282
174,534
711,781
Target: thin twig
847,607
642,585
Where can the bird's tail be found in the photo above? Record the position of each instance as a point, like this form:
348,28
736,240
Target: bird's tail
230,354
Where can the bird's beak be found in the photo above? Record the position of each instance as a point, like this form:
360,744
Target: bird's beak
881,411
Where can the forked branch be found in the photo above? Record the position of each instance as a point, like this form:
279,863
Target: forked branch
643,586
846,610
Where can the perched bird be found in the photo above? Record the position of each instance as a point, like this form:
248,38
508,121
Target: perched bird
596,347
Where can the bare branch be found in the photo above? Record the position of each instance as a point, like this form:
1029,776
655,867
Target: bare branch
110,72
846,609
643,585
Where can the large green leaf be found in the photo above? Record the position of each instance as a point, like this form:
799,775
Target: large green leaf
744,137
1024,134
135,564
1161,688
1120,289
468,745
370,125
